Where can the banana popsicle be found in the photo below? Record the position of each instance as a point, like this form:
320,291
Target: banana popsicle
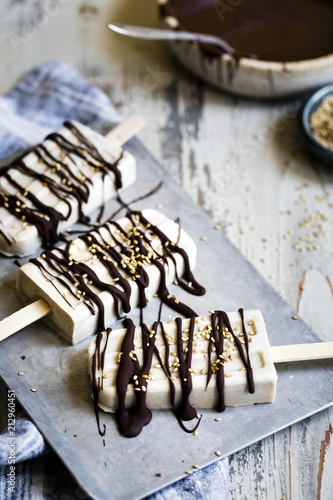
58,183
92,280
202,362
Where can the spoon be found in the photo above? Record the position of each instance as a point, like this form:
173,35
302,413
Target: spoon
164,34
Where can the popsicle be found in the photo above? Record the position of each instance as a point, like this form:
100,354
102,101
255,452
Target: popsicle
223,359
91,281
61,181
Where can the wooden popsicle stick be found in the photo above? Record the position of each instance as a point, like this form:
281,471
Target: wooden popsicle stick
38,309
302,352
125,130
24,317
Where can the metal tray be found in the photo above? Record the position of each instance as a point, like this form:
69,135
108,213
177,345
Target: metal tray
119,468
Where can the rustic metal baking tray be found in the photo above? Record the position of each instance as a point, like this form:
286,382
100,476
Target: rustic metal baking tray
119,468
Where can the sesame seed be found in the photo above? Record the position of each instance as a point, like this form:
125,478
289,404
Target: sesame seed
294,317
20,373
218,453
33,390
195,466
218,419
195,433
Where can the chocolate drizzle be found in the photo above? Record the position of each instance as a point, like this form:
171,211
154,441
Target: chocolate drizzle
131,421
116,248
98,364
64,182
220,333
220,322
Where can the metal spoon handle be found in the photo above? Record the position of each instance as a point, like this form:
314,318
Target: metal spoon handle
164,34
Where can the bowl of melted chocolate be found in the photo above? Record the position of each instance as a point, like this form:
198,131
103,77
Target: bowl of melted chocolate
282,47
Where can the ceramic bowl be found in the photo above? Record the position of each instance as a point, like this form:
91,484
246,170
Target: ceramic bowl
309,107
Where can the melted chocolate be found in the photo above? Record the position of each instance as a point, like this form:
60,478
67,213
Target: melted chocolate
274,30
60,180
131,421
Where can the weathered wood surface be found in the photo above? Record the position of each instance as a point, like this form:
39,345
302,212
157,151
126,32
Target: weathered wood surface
240,160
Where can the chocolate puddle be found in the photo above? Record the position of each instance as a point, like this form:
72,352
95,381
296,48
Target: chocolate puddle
274,30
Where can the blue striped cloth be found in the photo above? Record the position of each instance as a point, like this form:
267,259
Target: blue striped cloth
38,105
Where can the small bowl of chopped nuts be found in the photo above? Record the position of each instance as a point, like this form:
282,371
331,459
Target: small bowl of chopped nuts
316,122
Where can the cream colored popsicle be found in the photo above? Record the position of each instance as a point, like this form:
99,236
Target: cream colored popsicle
236,391
60,181
95,278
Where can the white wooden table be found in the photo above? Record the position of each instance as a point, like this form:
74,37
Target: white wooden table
240,160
